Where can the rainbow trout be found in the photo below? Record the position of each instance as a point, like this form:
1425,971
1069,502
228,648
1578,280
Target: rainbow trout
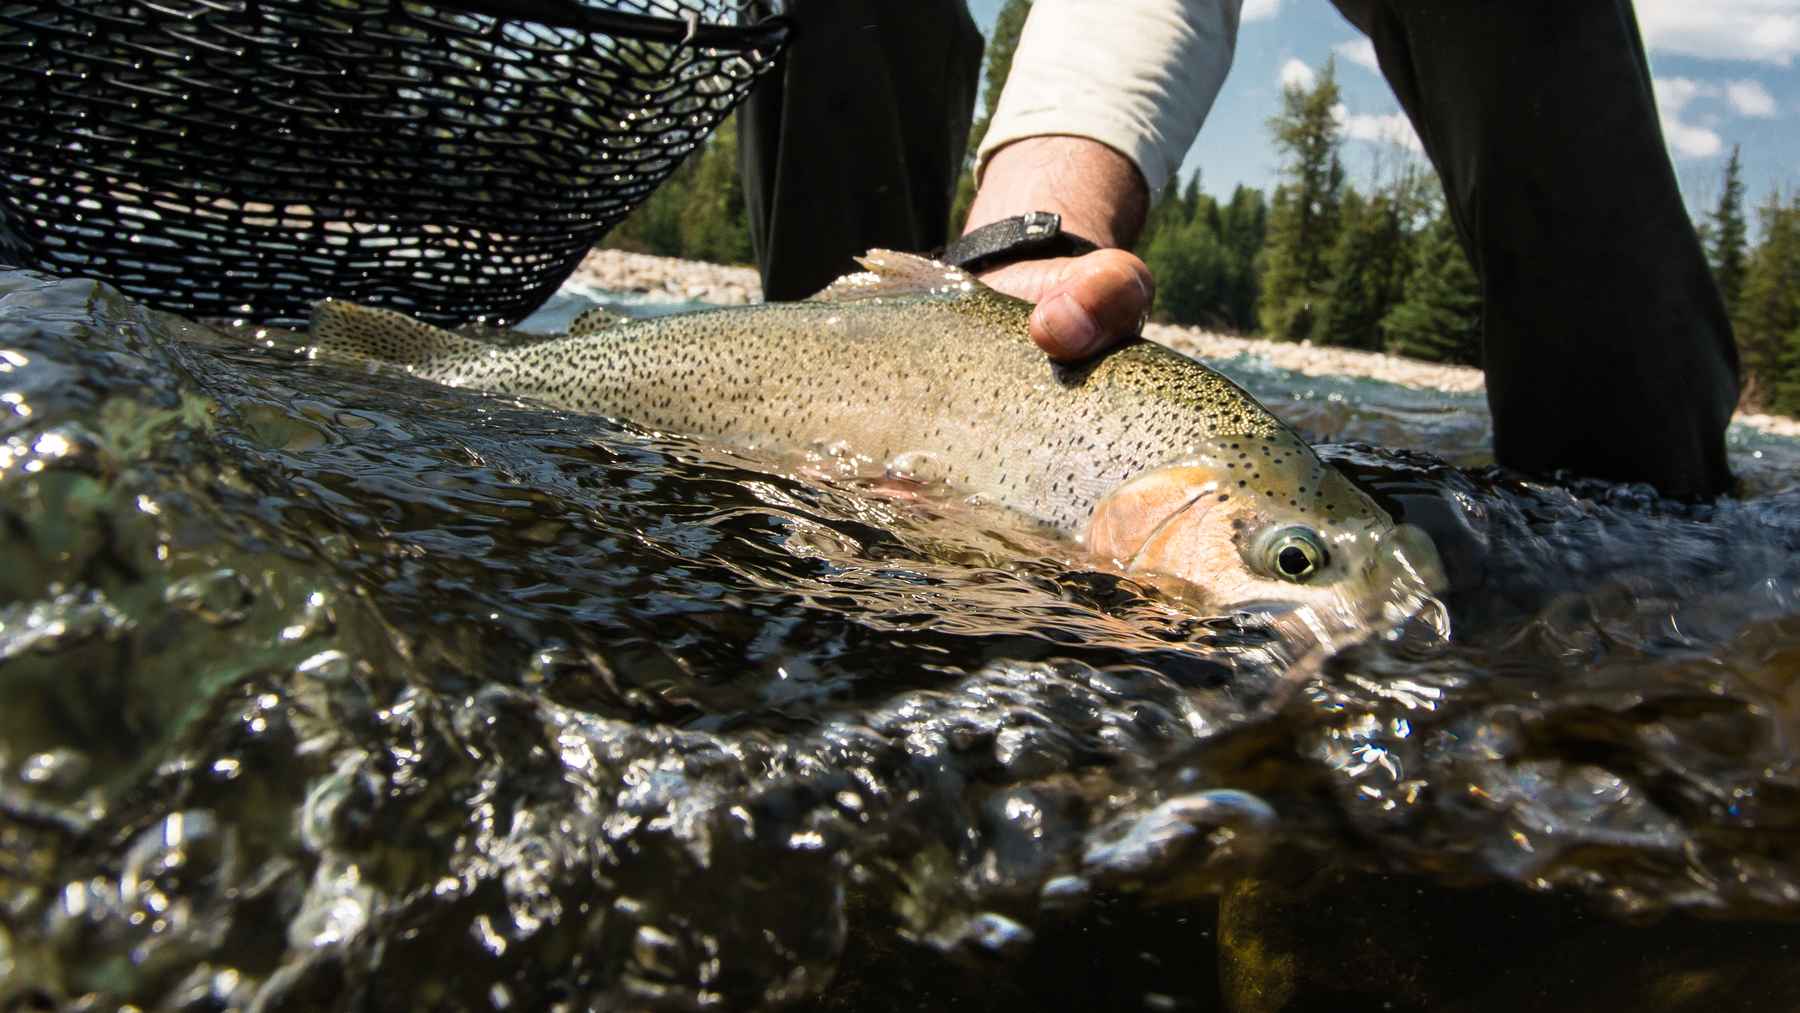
1155,462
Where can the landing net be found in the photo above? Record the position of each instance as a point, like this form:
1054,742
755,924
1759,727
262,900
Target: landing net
241,158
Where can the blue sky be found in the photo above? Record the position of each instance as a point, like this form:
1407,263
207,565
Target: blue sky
1725,72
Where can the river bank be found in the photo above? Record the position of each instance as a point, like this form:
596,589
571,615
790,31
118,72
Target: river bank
660,278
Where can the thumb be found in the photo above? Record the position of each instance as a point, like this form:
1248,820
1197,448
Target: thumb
1100,299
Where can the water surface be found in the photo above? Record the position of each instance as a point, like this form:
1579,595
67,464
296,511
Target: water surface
323,688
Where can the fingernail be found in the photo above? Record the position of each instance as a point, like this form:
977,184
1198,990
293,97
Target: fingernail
1143,286
1070,327
1147,292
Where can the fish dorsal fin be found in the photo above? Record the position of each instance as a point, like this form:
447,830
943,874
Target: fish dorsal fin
890,274
357,333
595,320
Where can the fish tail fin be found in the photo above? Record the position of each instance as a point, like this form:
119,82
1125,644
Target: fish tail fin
351,332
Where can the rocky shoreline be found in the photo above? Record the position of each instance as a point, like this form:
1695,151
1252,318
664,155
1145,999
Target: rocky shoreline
670,279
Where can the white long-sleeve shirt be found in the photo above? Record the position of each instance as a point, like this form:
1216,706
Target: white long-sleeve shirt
1138,76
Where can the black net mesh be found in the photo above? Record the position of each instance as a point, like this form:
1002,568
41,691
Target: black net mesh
241,158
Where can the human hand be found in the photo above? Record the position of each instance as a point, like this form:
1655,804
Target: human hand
1085,303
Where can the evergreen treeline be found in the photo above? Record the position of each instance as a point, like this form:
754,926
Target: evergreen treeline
698,212
1377,267
1320,260
1761,289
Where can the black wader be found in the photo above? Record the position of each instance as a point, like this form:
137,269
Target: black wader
1606,345
857,140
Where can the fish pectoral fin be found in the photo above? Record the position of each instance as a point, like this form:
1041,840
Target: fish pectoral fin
918,466
895,274
352,332
595,320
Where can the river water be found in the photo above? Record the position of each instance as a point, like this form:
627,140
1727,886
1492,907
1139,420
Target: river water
329,689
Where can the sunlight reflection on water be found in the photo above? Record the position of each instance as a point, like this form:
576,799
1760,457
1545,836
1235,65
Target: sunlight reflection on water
324,685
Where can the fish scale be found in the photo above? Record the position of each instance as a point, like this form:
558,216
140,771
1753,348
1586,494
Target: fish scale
949,373
1157,461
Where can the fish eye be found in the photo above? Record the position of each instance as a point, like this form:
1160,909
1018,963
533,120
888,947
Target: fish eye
1295,554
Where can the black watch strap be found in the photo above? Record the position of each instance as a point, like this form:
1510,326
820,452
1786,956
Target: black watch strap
1031,236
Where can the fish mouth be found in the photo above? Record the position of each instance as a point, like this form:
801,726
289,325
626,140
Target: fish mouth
1403,580
1407,577
1421,621
1407,552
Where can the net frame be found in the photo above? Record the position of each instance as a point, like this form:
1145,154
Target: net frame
240,159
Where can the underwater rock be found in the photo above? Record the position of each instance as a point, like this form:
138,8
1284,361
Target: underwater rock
1300,938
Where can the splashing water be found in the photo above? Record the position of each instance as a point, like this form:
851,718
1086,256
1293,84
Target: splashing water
325,689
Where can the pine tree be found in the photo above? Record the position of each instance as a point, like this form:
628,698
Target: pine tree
1242,224
1192,195
715,226
655,225
1243,286
1786,397
1008,25
1303,222
1167,212
1769,304
1207,209
1368,269
1416,193
1193,275
1243,220
1726,235
1439,317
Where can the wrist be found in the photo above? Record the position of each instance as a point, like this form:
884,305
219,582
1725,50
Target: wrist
1098,192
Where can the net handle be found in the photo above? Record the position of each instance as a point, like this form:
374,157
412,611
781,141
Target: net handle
770,31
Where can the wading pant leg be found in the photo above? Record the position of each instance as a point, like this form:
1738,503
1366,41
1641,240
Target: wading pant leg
1606,345
857,139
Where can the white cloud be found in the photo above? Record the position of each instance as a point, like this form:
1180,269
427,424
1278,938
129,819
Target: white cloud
1750,98
1689,141
1767,31
1392,128
1686,140
1360,52
1674,93
1260,10
1296,74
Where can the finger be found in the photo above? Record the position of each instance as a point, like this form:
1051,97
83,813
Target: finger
1026,279
1100,299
